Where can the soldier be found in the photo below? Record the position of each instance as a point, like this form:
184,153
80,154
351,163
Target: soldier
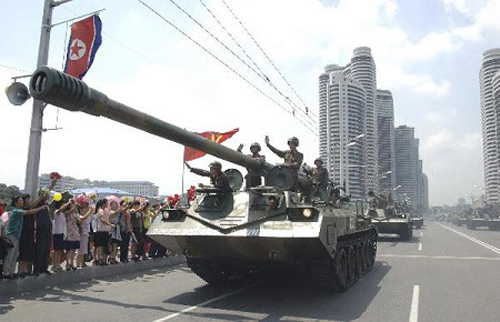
218,179
273,203
293,158
319,178
253,178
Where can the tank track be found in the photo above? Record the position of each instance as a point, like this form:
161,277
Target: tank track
207,270
355,256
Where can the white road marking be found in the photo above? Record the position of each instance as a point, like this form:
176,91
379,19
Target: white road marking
414,304
439,257
477,241
419,247
194,307
421,233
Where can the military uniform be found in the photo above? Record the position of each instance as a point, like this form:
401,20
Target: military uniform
292,159
220,182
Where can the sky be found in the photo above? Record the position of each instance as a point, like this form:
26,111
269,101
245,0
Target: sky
427,53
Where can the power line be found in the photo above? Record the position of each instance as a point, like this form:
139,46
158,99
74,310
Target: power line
268,58
262,74
220,61
14,68
292,105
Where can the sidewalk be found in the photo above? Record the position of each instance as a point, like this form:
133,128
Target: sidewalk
32,283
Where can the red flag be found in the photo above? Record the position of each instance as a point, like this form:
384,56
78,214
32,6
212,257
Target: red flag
192,154
83,44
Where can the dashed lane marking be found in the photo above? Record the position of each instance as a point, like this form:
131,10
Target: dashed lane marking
439,257
477,241
421,233
414,303
194,307
419,247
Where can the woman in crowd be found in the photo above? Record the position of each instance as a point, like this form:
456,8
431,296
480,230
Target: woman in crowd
13,234
115,217
104,227
147,215
72,240
84,211
125,231
136,219
27,240
58,232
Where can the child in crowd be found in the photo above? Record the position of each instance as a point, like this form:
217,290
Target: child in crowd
58,232
72,240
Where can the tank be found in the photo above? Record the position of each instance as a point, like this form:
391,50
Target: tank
389,219
227,234
485,217
417,221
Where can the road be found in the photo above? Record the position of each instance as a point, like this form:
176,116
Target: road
445,273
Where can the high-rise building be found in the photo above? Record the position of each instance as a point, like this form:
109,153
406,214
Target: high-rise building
490,121
362,68
425,189
386,141
341,115
406,162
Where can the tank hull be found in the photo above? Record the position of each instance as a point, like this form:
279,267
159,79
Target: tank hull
492,224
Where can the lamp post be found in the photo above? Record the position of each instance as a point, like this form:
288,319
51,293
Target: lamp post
35,140
345,146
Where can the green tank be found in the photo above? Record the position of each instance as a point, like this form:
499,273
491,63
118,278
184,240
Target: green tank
492,223
226,234
388,219
417,221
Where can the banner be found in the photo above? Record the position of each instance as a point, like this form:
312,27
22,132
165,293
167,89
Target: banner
192,154
83,44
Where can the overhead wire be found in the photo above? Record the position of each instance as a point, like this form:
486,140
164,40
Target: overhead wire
221,61
307,111
260,75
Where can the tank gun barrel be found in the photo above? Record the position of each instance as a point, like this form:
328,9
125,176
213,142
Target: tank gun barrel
62,90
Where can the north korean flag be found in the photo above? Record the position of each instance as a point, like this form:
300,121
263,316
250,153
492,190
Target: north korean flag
83,44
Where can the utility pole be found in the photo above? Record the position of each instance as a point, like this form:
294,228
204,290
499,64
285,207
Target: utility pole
35,141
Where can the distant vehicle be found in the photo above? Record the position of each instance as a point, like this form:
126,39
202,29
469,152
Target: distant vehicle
417,221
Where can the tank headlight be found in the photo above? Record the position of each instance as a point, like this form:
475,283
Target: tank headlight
165,215
307,213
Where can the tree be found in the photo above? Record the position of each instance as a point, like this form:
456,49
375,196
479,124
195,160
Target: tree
8,192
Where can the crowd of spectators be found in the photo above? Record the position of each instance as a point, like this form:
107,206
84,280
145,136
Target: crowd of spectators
52,233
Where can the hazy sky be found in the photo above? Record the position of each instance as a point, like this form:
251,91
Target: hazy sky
428,54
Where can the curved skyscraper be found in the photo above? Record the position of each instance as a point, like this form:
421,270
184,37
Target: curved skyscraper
490,121
341,114
362,68
386,141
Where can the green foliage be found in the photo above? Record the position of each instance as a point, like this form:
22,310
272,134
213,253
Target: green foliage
8,192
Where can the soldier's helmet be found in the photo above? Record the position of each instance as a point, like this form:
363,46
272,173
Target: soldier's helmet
293,140
255,145
318,159
215,165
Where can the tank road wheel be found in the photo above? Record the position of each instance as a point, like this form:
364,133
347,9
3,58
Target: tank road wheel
207,270
341,266
405,233
365,255
359,259
372,248
352,264
470,226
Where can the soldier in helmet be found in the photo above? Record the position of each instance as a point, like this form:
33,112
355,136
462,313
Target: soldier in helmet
293,158
253,178
218,179
319,178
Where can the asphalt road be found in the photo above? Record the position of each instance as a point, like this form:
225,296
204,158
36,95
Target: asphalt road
445,273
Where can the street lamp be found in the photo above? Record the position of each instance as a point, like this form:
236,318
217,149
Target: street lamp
345,146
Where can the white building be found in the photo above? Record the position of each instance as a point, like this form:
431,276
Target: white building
63,184
362,68
342,119
136,188
490,122
387,141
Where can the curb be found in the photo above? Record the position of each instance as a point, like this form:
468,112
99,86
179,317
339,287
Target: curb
33,283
